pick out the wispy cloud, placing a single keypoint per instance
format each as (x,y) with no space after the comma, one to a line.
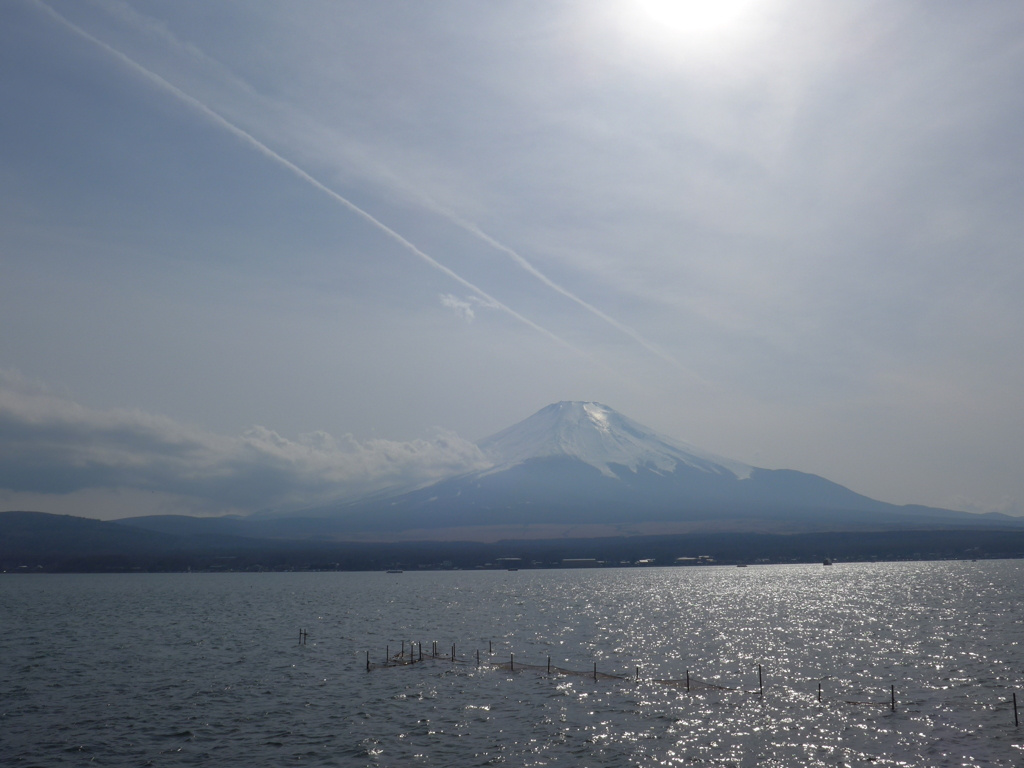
(1006,505)
(159,30)
(462,308)
(531,269)
(52,445)
(263,149)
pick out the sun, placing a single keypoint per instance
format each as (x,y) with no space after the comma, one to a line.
(694,17)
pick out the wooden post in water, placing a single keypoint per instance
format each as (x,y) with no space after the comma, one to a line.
(549,665)
(402,654)
(595,671)
(512,662)
(687,681)
(453,651)
(892,701)
(490,647)
(1016,722)
(421,651)
(367,661)
(819,693)
(760,680)
(638,674)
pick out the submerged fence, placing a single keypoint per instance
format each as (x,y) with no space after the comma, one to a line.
(689,683)
(411,654)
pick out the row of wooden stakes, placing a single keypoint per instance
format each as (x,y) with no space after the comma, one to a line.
(416,656)
(687,683)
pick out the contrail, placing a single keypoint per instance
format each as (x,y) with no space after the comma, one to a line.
(522,262)
(262,148)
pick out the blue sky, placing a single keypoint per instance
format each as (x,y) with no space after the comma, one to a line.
(265,254)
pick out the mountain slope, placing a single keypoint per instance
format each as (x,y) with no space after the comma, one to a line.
(581,463)
(598,436)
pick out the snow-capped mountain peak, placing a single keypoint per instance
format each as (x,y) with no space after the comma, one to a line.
(601,437)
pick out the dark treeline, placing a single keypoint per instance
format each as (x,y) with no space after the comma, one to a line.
(52,543)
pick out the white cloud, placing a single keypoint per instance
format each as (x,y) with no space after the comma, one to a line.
(1006,505)
(51,445)
(462,308)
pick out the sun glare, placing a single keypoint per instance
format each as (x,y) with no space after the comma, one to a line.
(694,16)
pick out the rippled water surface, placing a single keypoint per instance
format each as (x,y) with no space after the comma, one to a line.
(183,669)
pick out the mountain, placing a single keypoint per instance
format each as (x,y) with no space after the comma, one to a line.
(596,435)
(576,479)
(581,467)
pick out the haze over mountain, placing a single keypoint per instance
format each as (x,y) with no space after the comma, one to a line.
(583,469)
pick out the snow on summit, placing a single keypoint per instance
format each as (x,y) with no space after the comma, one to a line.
(601,437)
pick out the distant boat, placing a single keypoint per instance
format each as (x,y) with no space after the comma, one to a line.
(513,569)
(741,565)
(395,570)
(828,561)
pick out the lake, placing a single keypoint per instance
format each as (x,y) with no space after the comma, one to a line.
(191,669)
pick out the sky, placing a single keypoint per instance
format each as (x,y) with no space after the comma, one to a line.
(263,255)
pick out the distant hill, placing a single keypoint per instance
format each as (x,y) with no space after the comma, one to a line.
(26,535)
(36,538)
(32,542)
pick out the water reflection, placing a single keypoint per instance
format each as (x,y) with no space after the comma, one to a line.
(179,669)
